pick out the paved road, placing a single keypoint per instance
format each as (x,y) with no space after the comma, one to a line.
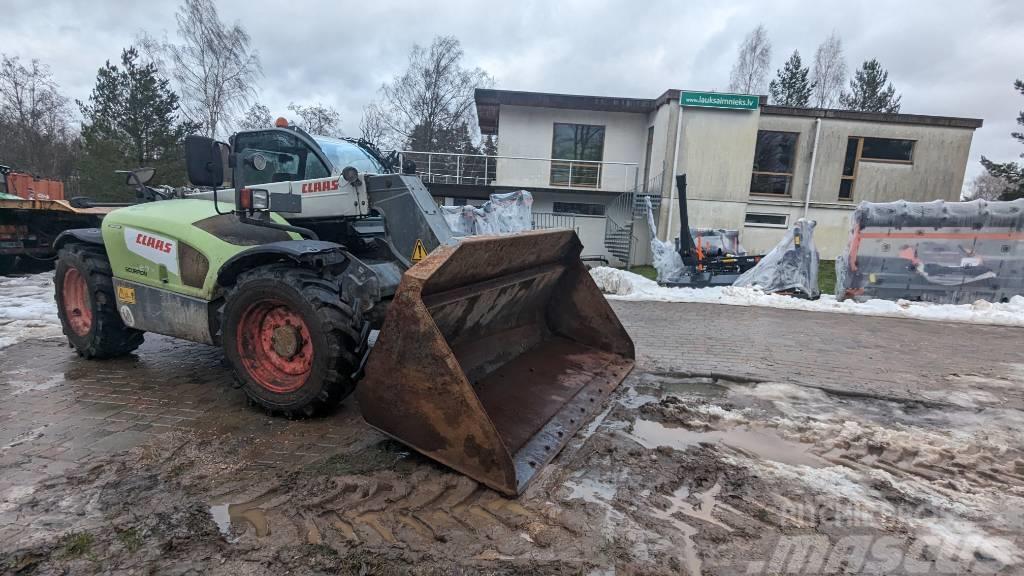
(859,354)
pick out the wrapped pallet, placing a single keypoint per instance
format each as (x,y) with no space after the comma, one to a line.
(943,252)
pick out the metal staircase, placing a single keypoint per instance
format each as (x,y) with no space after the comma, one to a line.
(621,216)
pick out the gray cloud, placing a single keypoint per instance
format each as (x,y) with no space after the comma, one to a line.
(949,58)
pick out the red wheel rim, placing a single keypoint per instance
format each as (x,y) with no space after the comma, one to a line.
(77,305)
(275,346)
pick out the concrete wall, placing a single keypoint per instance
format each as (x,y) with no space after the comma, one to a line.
(716,154)
(939,161)
(526,131)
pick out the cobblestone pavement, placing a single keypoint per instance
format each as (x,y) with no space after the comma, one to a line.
(60,413)
(887,357)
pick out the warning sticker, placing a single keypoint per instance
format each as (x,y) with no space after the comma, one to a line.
(418,251)
(126,294)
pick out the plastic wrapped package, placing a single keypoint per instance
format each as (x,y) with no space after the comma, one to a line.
(665,258)
(504,213)
(943,252)
(717,241)
(791,267)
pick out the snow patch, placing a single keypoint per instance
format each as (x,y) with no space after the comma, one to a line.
(27,309)
(627,286)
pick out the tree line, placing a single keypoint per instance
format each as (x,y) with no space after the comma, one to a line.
(821,85)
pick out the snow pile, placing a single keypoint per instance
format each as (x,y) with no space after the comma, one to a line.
(27,309)
(623,285)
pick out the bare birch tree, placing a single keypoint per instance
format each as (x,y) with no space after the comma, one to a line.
(751,68)
(318,119)
(35,120)
(372,127)
(213,65)
(829,72)
(433,98)
(257,117)
(985,186)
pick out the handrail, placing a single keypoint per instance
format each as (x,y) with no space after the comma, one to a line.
(500,157)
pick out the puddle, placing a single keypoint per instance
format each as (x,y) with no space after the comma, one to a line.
(590,490)
(753,441)
(237,516)
(701,511)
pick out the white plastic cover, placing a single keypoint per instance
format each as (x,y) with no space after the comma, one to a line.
(665,258)
(504,213)
(791,266)
(718,241)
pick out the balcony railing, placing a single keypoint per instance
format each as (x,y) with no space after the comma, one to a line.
(550,220)
(523,171)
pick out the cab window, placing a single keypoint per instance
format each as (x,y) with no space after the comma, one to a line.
(288,158)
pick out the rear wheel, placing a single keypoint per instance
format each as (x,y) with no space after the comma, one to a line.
(86,304)
(291,339)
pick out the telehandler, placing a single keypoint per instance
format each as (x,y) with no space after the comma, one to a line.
(492,351)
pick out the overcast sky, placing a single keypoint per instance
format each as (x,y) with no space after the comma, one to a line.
(954,58)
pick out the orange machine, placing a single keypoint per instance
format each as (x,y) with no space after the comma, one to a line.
(31,188)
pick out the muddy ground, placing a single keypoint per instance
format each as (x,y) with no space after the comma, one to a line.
(683,474)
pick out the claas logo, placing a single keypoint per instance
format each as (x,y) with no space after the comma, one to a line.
(150,242)
(320,186)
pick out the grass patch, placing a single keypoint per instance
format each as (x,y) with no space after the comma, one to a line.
(131,539)
(77,544)
(645,271)
(827,276)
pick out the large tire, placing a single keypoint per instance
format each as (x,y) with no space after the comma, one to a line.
(292,340)
(86,304)
(8,263)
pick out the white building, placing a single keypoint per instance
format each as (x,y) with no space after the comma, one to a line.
(750,166)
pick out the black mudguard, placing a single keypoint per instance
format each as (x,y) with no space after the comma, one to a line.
(359,283)
(82,235)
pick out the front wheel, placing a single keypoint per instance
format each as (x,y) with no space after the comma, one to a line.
(86,306)
(291,339)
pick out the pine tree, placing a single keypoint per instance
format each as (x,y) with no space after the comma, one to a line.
(1010,172)
(791,87)
(490,148)
(871,91)
(131,120)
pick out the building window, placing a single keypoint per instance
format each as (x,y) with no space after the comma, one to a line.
(887,150)
(767,220)
(579,208)
(849,177)
(580,149)
(892,150)
(773,163)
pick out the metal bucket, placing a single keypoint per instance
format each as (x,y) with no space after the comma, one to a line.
(494,352)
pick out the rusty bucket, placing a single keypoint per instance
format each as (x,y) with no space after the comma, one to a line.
(494,352)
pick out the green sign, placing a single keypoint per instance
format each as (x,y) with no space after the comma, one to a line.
(719,100)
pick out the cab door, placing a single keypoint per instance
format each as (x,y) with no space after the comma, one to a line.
(293,165)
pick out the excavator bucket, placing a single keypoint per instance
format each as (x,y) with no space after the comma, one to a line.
(494,352)
(941,252)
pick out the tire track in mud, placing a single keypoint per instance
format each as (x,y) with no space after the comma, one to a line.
(420,511)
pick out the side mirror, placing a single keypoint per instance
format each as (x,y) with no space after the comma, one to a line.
(204,159)
(144,175)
